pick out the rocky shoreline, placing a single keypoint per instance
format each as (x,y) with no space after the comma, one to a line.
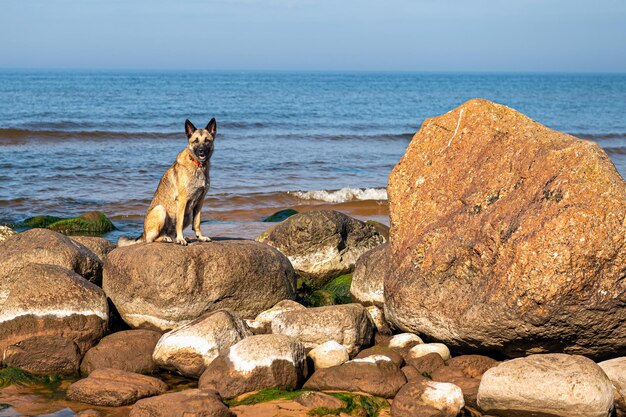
(498,291)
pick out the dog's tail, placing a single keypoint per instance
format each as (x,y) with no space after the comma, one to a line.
(124,241)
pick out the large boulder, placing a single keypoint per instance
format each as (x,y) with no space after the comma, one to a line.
(163,286)
(376,375)
(347,324)
(189,349)
(44,301)
(128,350)
(550,384)
(369,276)
(43,355)
(323,244)
(114,388)
(507,235)
(46,247)
(615,369)
(190,402)
(256,363)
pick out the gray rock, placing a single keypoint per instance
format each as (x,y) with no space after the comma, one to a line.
(346,324)
(322,245)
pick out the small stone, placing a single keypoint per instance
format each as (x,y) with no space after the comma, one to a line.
(425,349)
(403,342)
(313,399)
(187,403)
(328,354)
(428,398)
(394,356)
(428,363)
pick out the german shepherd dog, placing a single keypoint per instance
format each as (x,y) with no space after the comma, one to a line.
(180,194)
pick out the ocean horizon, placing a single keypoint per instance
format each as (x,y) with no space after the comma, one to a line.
(73,141)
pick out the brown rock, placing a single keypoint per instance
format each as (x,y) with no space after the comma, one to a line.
(48,300)
(114,388)
(346,324)
(5,233)
(426,398)
(394,356)
(507,235)
(473,366)
(44,355)
(323,244)
(161,286)
(89,413)
(428,363)
(615,369)
(255,363)
(412,373)
(128,350)
(44,246)
(402,343)
(187,403)
(313,399)
(376,375)
(99,246)
(369,275)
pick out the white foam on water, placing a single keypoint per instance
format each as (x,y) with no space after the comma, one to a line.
(343,195)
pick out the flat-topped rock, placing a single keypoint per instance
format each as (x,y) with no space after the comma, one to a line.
(497,223)
(346,324)
(189,349)
(190,402)
(114,388)
(255,363)
(162,286)
(322,244)
(128,350)
(46,301)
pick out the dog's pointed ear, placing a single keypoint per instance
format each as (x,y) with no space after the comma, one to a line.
(212,126)
(189,128)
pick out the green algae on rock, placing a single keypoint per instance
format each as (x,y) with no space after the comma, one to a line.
(334,292)
(279,216)
(93,222)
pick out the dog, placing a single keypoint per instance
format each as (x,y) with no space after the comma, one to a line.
(178,199)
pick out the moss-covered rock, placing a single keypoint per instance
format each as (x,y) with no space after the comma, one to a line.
(279,216)
(337,291)
(92,223)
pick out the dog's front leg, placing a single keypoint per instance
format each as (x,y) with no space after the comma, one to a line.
(181,204)
(196,224)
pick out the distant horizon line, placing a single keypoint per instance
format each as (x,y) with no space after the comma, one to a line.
(196,70)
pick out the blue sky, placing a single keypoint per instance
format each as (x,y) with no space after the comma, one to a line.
(394,35)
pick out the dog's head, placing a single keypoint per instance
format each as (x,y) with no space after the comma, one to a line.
(200,141)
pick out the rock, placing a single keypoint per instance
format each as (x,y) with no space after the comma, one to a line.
(472,366)
(328,354)
(369,275)
(128,350)
(428,398)
(191,402)
(189,349)
(313,399)
(6,232)
(412,374)
(279,216)
(93,222)
(403,342)
(114,388)
(377,316)
(376,375)
(381,228)
(507,235)
(162,286)
(322,245)
(99,246)
(428,363)
(89,413)
(263,321)
(378,350)
(615,369)
(256,363)
(455,376)
(43,301)
(346,324)
(335,291)
(426,348)
(553,384)
(46,247)
(44,355)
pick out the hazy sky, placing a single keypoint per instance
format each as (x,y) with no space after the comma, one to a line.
(413,35)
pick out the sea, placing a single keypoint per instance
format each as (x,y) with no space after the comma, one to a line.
(78,141)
